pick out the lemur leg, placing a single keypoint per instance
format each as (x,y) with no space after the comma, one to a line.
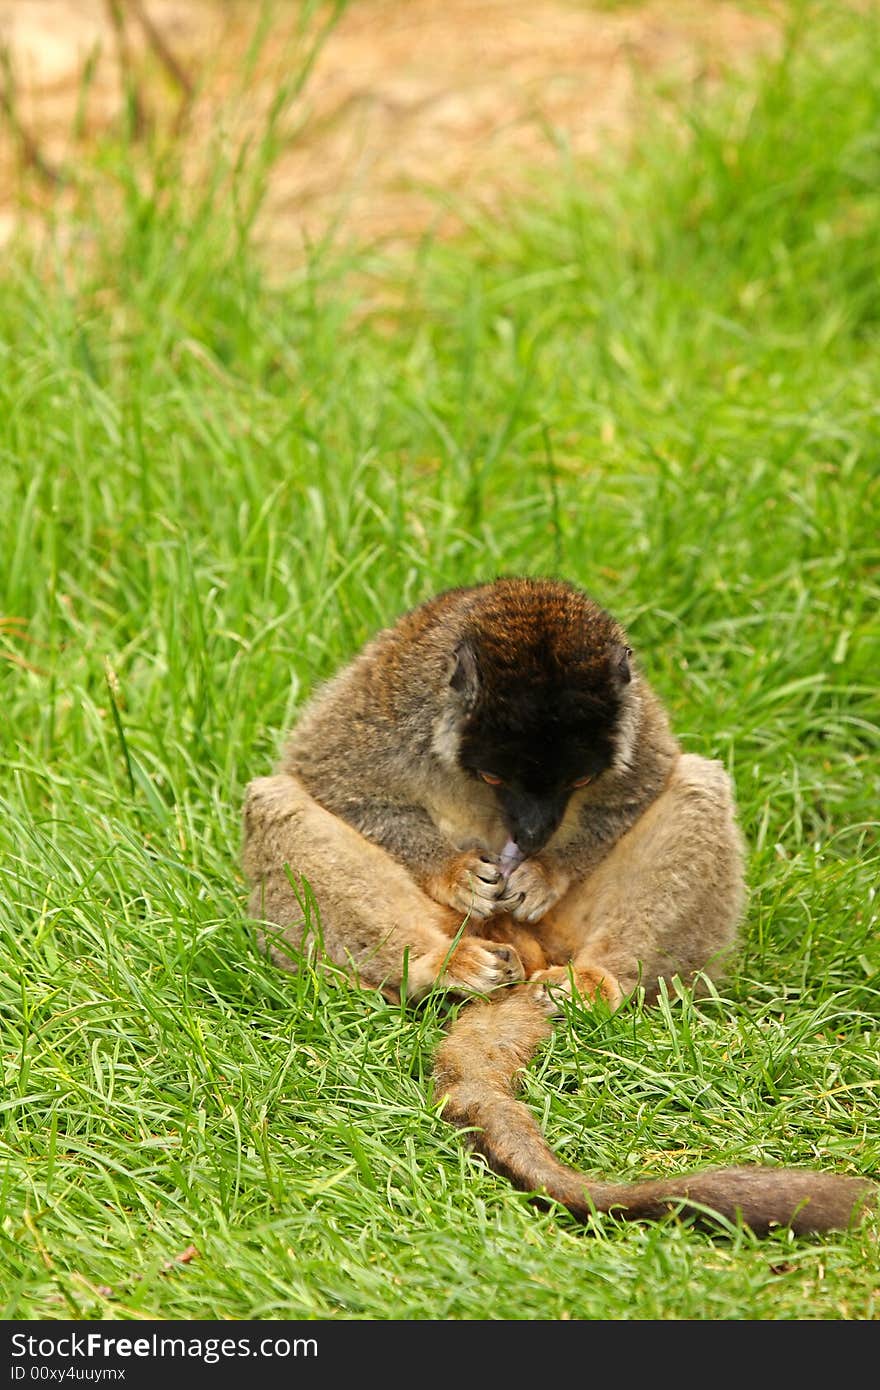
(667,899)
(376,922)
(523,939)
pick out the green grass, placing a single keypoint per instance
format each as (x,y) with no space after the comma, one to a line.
(659,380)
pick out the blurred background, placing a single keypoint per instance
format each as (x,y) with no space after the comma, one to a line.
(389,113)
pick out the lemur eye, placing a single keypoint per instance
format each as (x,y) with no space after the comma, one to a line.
(582,782)
(492,779)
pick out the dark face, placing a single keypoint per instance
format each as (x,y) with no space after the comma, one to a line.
(535,749)
(540,678)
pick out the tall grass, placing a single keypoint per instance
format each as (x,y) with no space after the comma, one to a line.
(659,379)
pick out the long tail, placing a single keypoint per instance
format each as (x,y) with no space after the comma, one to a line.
(476,1069)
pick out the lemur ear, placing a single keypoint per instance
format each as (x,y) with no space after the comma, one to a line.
(465,676)
(620,663)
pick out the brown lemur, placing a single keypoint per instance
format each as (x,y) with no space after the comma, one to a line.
(489,800)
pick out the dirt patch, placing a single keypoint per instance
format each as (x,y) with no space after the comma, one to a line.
(413,108)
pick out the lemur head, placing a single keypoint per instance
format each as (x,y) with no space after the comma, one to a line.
(543,685)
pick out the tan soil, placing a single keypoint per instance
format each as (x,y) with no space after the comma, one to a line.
(414,108)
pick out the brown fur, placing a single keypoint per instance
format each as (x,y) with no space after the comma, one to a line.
(636,877)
